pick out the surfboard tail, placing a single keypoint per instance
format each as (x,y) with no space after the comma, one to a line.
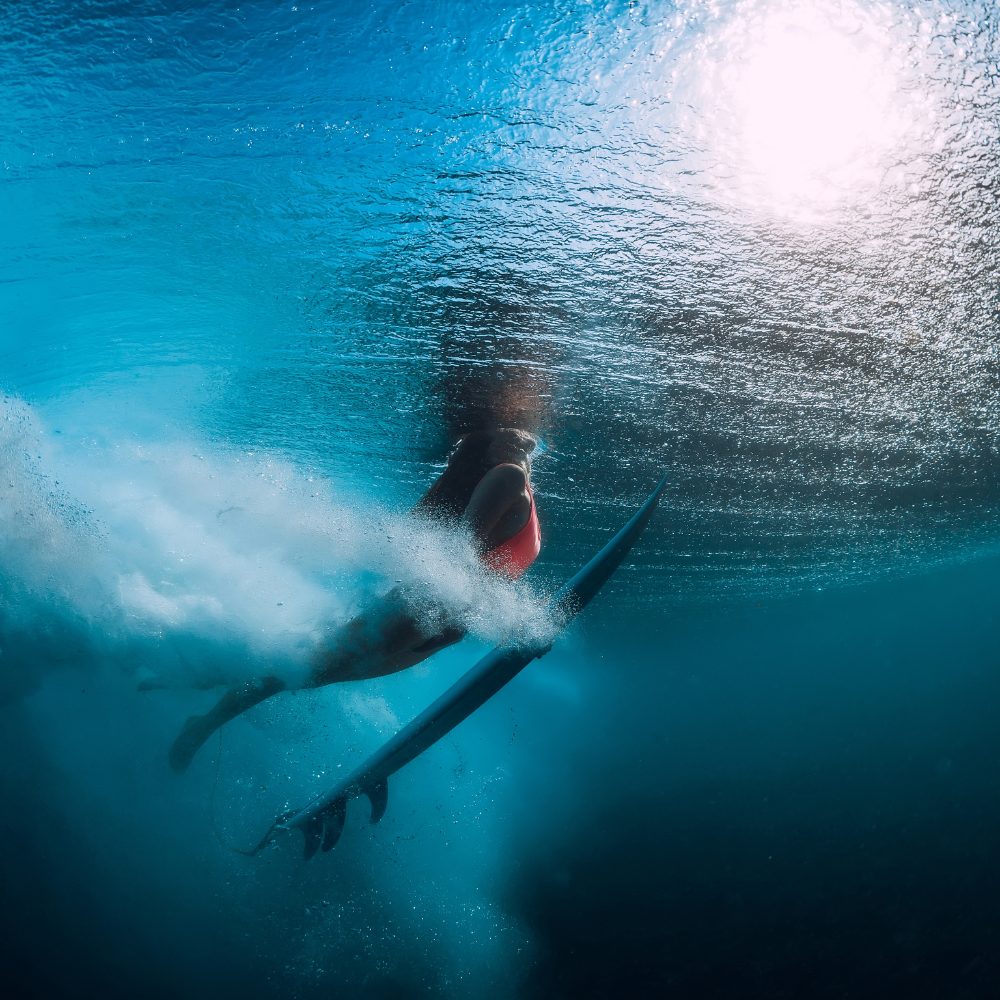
(279,824)
(321,828)
(322,824)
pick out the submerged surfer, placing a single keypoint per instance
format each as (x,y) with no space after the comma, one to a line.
(486,490)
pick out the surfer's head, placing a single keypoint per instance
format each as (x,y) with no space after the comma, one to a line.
(509,444)
(475,454)
(479,451)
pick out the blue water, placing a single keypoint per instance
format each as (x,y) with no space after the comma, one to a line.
(261,264)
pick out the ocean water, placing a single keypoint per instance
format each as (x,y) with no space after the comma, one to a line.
(262,263)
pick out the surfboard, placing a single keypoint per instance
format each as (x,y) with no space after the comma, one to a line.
(322,820)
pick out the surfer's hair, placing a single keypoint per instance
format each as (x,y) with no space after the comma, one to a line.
(474,455)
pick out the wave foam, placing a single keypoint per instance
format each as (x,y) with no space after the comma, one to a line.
(185,565)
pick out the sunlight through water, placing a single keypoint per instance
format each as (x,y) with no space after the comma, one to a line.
(812,106)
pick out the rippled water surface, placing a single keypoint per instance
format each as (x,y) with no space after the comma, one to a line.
(261,263)
(752,244)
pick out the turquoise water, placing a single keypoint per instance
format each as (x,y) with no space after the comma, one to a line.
(261,264)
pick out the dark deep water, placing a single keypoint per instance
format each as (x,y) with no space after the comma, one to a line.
(810,813)
(801,803)
(260,264)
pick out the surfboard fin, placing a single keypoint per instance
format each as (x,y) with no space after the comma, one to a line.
(313,832)
(334,823)
(378,795)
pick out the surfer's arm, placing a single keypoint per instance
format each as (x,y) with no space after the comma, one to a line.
(500,490)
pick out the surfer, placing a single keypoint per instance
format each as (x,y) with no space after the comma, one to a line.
(322,819)
(486,491)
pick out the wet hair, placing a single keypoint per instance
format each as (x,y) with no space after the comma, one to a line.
(474,455)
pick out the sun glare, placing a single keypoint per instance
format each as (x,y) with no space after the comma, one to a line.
(811,93)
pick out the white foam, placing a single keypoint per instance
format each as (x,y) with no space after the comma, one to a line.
(188,565)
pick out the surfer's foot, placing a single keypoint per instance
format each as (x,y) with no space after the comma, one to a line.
(196,730)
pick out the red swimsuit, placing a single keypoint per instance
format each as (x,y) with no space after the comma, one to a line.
(513,557)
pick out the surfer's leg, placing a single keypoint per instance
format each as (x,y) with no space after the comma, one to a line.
(234,702)
(390,636)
